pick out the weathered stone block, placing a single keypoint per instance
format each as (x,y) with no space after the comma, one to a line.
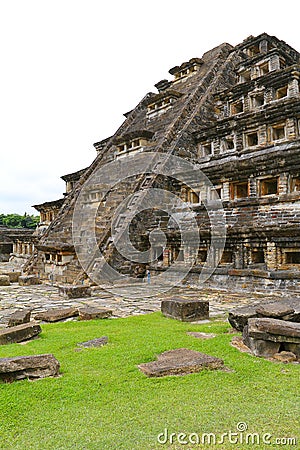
(56,314)
(275,310)
(13,276)
(19,317)
(238,318)
(180,362)
(288,309)
(4,280)
(89,313)
(19,333)
(266,349)
(74,291)
(29,280)
(274,330)
(98,342)
(36,366)
(185,310)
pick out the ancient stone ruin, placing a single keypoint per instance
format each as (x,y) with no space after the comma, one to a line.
(30,367)
(235,114)
(270,330)
(185,310)
(181,361)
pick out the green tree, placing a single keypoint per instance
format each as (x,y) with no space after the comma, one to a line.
(19,221)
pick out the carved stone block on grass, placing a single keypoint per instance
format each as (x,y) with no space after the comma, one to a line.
(98,342)
(185,310)
(90,313)
(4,280)
(19,333)
(56,314)
(266,337)
(31,367)
(288,309)
(29,280)
(20,316)
(181,361)
(74,291)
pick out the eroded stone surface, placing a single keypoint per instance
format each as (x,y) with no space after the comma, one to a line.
(4,280)
(274,330)
(199,335)
(19,333)
(98,342)
(19,317)
(181,361)
(70,291)
(186,310)
(277,311)
(89,313)
(28,280)
(31,367)
(56,314)
(266,337)
(13,275)
(287,309)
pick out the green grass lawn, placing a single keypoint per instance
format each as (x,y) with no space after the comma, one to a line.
(102,401)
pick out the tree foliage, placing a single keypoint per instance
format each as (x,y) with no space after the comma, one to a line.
(19,221)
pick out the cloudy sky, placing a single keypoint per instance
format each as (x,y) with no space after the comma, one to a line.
(71,68)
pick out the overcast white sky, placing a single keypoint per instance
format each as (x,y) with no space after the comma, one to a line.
(71,68)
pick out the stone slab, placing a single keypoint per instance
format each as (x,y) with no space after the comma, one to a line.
(90,313)
(238,317)
(74,291)
(185,310)
(98,342)
(19,333)
(199,335)
(30,367)
(20,316)
(56,314)
(13,276)
(274,330)
(29,280)
(4,280)
(181,361)
(275,310)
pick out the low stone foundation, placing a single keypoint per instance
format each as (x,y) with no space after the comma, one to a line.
(244,280)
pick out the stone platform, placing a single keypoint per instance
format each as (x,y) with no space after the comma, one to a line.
(42,297)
